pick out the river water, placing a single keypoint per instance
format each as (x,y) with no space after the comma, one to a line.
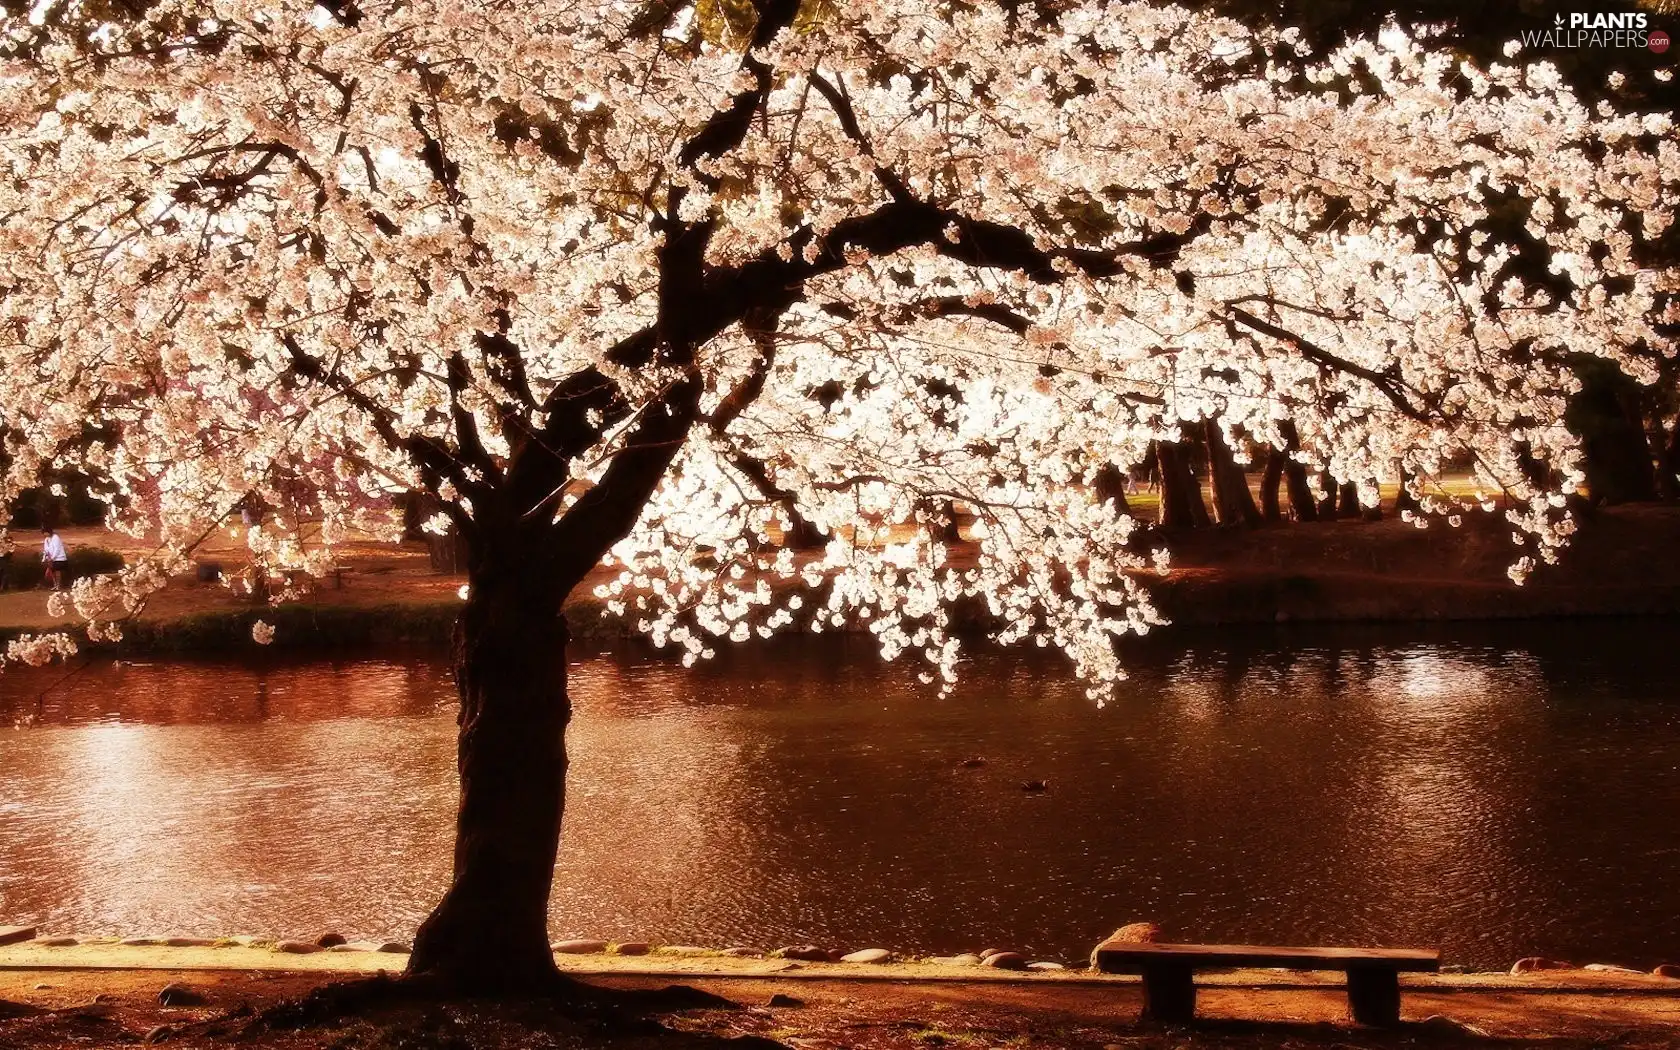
(1494,790)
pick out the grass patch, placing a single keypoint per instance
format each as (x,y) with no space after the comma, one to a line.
(301,626)
(23,569)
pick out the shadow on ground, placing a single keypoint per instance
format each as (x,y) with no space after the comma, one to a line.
(41,1009)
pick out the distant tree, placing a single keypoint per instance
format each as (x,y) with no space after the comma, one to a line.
(1182,506)
(1626,77)
(1608,416)
(1281,466)
(630,284)
(1231,499)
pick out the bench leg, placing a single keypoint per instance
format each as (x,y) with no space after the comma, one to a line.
(1374,995)
(1169,994)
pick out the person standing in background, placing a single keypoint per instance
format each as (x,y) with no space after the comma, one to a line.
(55,558)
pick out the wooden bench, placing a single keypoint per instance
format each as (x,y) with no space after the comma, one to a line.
(1169,987)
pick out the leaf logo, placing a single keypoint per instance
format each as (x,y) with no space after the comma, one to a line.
(1558,21)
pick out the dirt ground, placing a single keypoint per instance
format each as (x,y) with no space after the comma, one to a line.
(113,1008)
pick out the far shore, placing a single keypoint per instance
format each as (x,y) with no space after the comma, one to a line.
(1622,563)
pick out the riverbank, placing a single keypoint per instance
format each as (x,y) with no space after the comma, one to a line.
(820,1007)
(1621,563)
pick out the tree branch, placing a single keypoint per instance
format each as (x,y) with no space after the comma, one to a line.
(1387,381)
(841,103)
(727,128)
(900,224)
(760,327)
(467,437)
(607,512)
(433,459)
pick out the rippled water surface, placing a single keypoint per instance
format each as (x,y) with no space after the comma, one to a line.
(1496,791)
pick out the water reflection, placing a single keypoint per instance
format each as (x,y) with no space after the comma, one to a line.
(1500,792)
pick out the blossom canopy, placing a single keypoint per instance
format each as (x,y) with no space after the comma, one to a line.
(679,273)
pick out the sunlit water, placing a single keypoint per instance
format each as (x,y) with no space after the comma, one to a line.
(1497,791)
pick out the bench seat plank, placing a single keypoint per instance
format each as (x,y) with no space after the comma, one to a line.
(1135,957)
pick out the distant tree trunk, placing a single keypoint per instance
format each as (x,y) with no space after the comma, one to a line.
(1270,482)
(1181,493)
(410,505)
(1301,502)
(947,530)
(1641,482)
(801,535)
(1110,484)
(1326,503)
(1405,501)
(490,932)
(1606,413)
(1669,463)
(1231,498)
(1347,500)
(447,554)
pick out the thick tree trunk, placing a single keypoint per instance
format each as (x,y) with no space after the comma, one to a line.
(1628,451)
(490,933)
(1271,508)
(1110,484)
(1232,501)
(1608,416)
(948,530)
(1347,500)
(1301,502)
(1405,501)
(1181,493)
(802,535)
(1326,503)
(410,505)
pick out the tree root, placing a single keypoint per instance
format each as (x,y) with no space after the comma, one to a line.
(332,1004)
(430,1005)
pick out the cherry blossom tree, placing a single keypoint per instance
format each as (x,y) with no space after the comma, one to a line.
(650,285)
